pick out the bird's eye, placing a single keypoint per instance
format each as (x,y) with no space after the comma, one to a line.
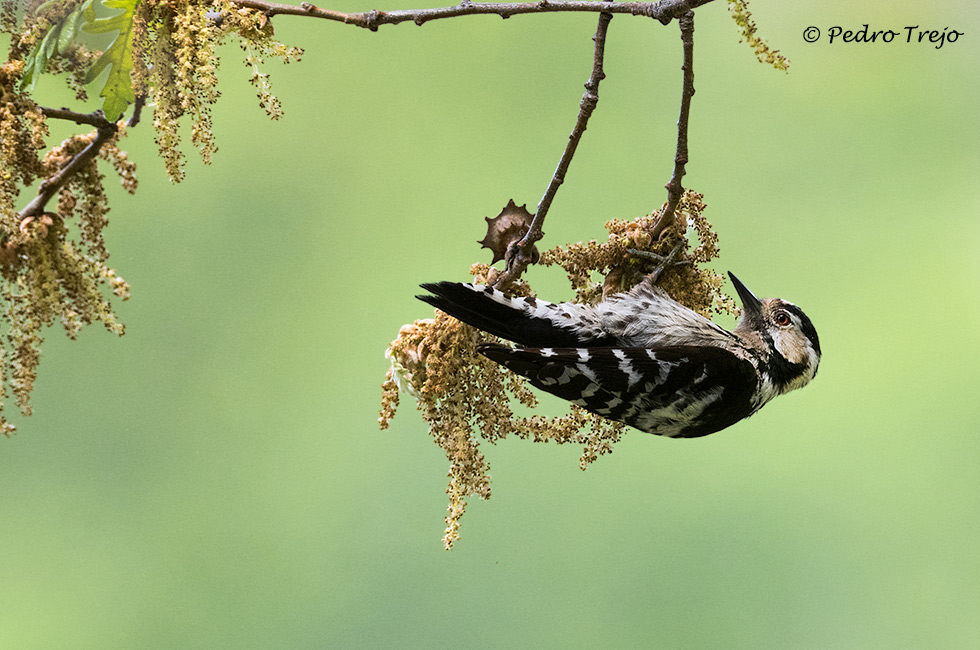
(783,319)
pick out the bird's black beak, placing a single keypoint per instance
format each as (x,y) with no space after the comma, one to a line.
(750,304)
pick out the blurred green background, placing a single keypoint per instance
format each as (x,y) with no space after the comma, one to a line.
(216,478)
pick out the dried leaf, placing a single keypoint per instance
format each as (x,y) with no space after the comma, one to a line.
(507,228)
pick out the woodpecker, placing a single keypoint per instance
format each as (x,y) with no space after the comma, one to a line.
(641,357)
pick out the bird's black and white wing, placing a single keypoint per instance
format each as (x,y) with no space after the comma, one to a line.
(679,391)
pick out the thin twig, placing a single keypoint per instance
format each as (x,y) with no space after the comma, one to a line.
(675,189)
(105,131)
(662,10)
(518,262)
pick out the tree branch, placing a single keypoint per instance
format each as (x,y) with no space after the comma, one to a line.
(105,130)
(662,10)
(674,187)
(524,251)
(96,119)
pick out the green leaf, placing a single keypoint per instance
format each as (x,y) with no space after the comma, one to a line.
(47,5)
(29,78)
(50,41)
(69,28)
(56,41)
(118,57)
(37,60)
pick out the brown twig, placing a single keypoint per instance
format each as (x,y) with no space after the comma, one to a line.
(138,105)
(675,189)
(518,262)
(662,10)
(105,131)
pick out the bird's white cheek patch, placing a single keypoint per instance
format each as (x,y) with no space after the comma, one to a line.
(789,348)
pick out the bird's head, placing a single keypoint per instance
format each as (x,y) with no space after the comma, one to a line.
(783,333)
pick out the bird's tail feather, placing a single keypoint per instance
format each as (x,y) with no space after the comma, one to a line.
(526,321)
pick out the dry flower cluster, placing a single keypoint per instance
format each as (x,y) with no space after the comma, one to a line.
(464,397)
(599,268)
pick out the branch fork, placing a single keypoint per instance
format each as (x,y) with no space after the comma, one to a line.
(104,132)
